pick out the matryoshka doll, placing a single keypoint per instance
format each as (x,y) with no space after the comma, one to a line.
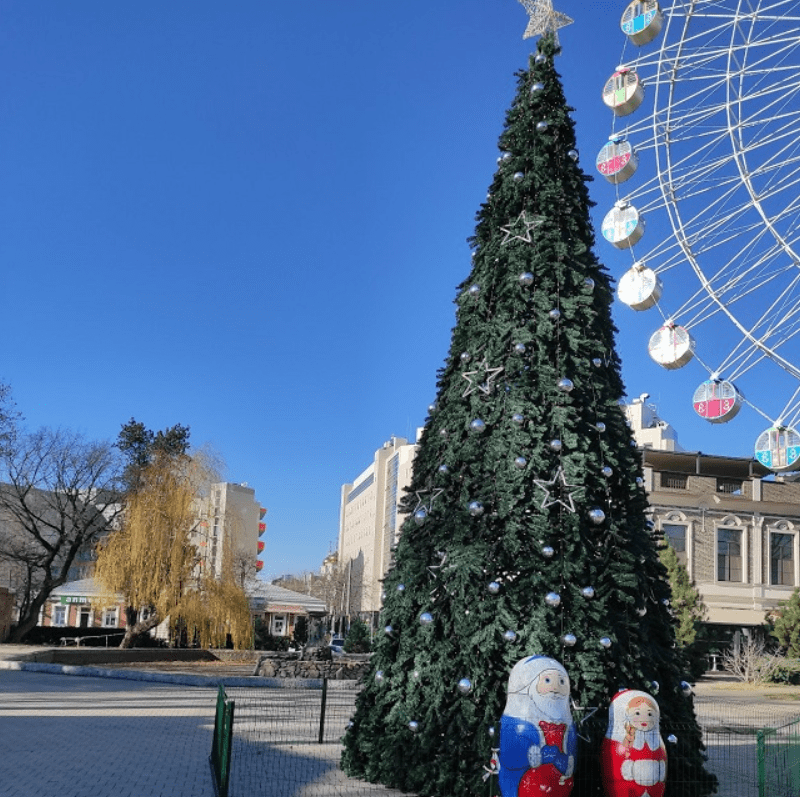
(634,759)
(537,736)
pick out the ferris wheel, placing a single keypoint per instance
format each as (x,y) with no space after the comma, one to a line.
(704,157)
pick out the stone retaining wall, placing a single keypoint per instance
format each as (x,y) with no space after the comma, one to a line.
(339,669)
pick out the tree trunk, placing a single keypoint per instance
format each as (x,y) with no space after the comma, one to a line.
(132,630)
(30,618)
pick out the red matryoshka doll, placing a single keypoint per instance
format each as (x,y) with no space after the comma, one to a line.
(634,759)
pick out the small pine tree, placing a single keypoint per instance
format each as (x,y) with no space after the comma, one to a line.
(786,625)
(357,640)
(688,609)
(300,631)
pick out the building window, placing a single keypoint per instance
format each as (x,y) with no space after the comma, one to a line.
(674,481)
(730,486)
(781,559)
(59,614)
(729,555)
(110,618)
(675,536)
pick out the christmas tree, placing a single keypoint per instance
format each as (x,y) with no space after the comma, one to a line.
(527,530)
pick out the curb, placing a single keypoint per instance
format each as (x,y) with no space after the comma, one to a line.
(208,681)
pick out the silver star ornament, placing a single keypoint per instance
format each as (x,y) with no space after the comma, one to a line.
(485,384)
(558,483)
(521,228)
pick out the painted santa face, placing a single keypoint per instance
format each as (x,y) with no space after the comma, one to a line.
(552,683)
(643,716)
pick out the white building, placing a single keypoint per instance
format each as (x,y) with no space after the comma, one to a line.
(369,523)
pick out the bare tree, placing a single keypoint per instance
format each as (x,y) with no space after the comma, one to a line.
(244,566)
(57,498)
(750,660)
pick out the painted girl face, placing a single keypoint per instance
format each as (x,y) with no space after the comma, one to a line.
(552,683)
(643,717)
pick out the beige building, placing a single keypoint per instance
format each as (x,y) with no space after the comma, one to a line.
(369,524)
(230,517)
(733,523)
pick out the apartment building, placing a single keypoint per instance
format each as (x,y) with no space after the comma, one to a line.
(369,524)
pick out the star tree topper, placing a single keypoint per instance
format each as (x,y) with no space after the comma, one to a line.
(543,18)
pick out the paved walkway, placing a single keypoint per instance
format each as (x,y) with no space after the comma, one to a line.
(62,736)
(110,734)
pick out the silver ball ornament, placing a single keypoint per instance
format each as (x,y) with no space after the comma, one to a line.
(548,552)
(388,630)
(552,599)
(491,730)
(443,469)
(504,156)
(517,176)
(415,675)
(379,676)
(401,587)
(477,426)
(607,471)
(474,290)
(432,408)
(526,278)
(642,611)
(589,283)
(574,155)
(605,642)
(565,385)
(519,348)
(686,688)
(420,516)
(600,426)
(520,462)
(537,87)
(494,587)
(588,592)
(639,481)
(654,687)
(542,126)
(596,515)
(510,636)
(475,508)
(442,432)
(540,59)
(426,618)
(465,356)
(465,686)
(413,726)
(555,314)
(556,445)
(597,362)
(518,418)
(672,738)
(570,640)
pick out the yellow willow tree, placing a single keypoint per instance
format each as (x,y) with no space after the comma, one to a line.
(152,561)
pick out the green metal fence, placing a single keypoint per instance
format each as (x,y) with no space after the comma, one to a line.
(778,760)
(222,743)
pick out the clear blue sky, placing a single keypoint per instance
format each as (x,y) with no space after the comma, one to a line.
(251,217)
